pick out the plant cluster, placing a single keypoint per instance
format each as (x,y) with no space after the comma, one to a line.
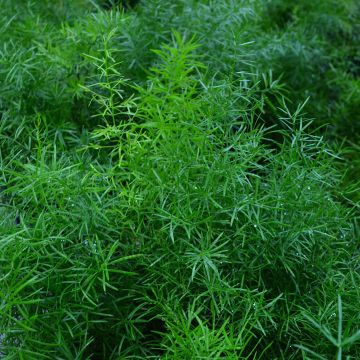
(167,186)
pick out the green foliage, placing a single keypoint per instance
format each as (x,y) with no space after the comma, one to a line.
(163,192)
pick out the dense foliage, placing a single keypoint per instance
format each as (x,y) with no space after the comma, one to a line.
(179,179)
